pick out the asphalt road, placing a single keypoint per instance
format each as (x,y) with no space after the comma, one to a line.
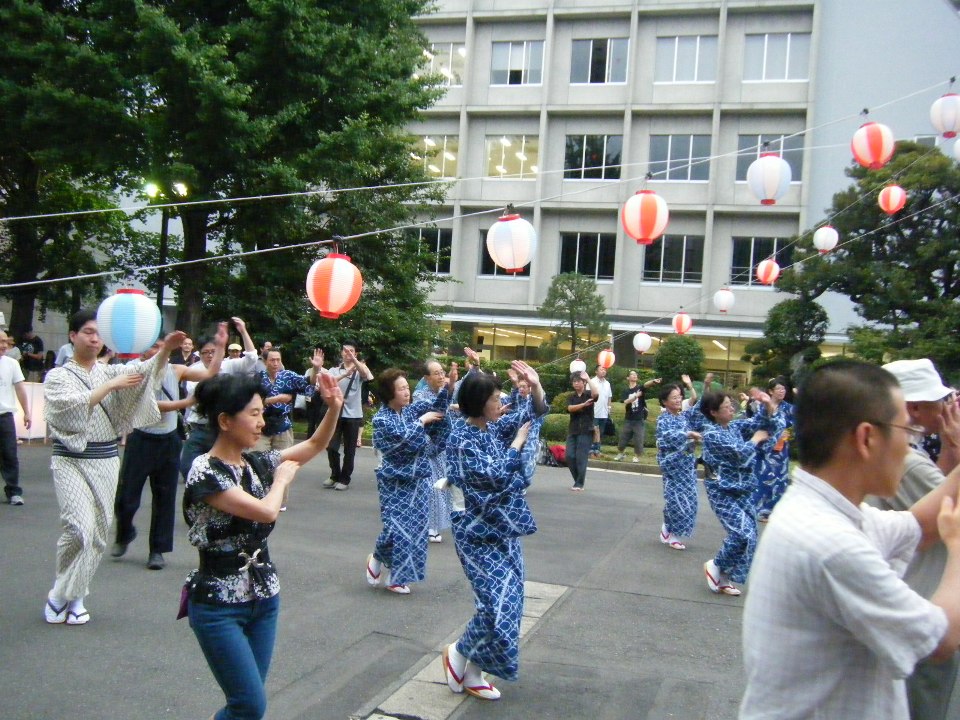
(636,633)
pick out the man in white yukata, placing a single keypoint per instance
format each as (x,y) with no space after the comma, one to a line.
(830,629)
(88,406)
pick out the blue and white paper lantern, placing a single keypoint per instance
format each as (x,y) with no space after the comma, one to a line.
(128,322)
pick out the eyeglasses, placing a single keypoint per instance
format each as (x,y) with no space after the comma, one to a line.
(915,433)
(207,352)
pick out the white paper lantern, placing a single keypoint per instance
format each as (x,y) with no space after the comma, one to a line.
(825,239)
(511,242)
(769,178)
(128,322)
(642,342)
(723,299)
(945,115)
(577,366)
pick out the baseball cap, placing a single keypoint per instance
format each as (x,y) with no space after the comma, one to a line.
(918,379)
(234,346)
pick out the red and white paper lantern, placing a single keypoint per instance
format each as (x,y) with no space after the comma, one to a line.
(768,271)
(892,199)
(606,359)
(334,285)
(945,115)
(769,178)
(644,216)
(723,299)
(682,323)
(511,242)
(128,322)
(872,145)
(825,239)
(642,342)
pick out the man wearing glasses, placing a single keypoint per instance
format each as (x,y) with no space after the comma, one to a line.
(932,408)
(830,629)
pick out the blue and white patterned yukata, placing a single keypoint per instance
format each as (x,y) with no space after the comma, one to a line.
(404,483)
(773,467)
(730,457)
(678,469)
(493,477)
(439,511)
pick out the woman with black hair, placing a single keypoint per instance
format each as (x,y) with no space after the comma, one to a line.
(773,456)
(676,437)
(404,480)
(231,502)
(729,450)
(488,460)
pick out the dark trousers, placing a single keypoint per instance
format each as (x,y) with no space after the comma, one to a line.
(156,457)
(198,442)
(347,432)
(9,463)
(316,409)
(578,452)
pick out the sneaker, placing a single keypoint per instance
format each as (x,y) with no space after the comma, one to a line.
(712,573)
(619,457)
(328,484)
(340,486)
(373,570)
(54,615)
(16,500)
(635,459)
(156,561)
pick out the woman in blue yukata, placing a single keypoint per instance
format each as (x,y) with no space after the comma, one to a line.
(491,458)
(231,502)
(404,479)
(729,451)
(773,456)
(676,438)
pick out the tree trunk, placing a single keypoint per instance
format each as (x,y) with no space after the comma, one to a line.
(26,257)
(191,285)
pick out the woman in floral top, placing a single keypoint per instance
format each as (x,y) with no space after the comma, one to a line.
(231,502)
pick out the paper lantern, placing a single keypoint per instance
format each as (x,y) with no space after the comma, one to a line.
(723,299)
(682,323)
(334,285)
(945,115)
(872,145)
(511,242)
(128,322)
(577,366)
(825,239)
(768,271)
(644,216)
(642,342)
(769,178)
(892,199)
(956,151)
(606,359)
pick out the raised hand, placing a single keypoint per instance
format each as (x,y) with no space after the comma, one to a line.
(317,359)
(329,390)
(431,417)
(174,340)
(685,379)
(239,324)
(472,355)
(525,372)
(220,337)
(453,375)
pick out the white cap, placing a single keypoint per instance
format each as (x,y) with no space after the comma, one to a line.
(918,379)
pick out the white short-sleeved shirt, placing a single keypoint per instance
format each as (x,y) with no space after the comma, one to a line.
(10,375)
(601,407)
(830,630)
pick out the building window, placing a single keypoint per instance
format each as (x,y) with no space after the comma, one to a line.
(674,259)
(680,157)
(686,59)
(512,157)
(517,63)
(593,157)
(776,56)
(748,252)
(790,148)
(447,60)
(436,244)
(488,267)
(437,154)
(599,61)
(590,254)
(930,141)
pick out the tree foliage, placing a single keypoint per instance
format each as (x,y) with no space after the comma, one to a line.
(574,303)
(792,333)
(901,272)
(678,355)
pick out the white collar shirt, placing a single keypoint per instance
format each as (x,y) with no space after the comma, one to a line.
(830,630)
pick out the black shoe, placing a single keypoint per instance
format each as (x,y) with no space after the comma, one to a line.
(156,561)
(119,549)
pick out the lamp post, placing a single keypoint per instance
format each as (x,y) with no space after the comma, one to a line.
(153,191)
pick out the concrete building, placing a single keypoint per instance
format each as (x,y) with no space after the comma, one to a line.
(562,107)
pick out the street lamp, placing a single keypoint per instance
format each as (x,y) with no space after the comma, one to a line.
(153,192)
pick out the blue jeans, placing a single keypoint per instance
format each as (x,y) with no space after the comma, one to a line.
(237,641)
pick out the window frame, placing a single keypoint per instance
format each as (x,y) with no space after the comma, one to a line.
(439,150)
(688,164)
(498,272)
(604,241)
(697,66)
(660,247)
(782,253)
(608,60)
(794,156)
(526,65)
(789,35)
(442,241)
(435,57)
(607,172)
(523,175)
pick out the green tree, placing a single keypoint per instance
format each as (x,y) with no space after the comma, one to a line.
(573,301)
(793,329)
(242,99)
(68,141)
(678,355)
(902,273)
